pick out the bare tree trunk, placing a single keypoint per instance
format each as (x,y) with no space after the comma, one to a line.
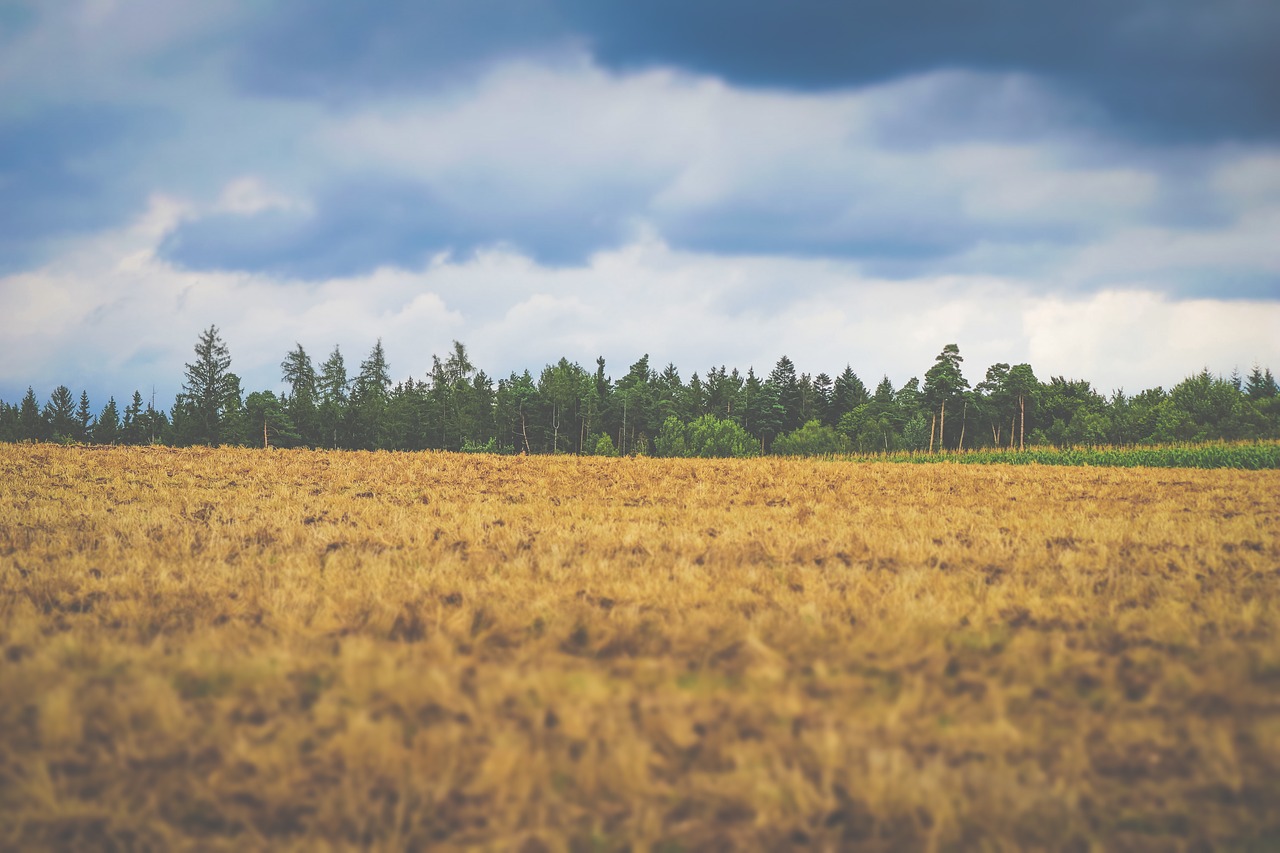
(964,418)
(264,433)
(1022,407)
(933,425)
(524,431)
(942,428)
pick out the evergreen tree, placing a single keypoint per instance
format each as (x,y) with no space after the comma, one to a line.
(60,415)
(84,418)
(300,404)
(944,384)
(1261,384)
(847,394)
(333,400)
(671,397)
(369,395)
(723,394)
(636,413)
(9,430)
(210,393)
(131,428)
(871,424)
(106,430)
(786,389)
(824,392)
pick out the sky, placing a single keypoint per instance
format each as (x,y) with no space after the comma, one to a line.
(1092,187)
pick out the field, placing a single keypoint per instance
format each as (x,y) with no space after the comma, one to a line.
(236,649)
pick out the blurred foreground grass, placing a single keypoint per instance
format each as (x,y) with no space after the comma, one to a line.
(232,649)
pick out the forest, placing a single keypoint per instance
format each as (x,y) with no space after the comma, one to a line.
(567,408)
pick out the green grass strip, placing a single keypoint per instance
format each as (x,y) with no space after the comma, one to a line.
(1253,456)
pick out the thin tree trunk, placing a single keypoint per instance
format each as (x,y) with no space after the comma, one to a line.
(964,418)
(1022,406)
(264,433)
(942,428)
(933,426)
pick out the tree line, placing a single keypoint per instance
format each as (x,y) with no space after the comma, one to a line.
(567,408)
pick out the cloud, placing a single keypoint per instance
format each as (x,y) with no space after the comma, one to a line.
(1160,68)
(710,182)
(562,162)
(112,315)
(57,178)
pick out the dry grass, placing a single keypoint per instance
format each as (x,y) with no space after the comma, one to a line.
(234,649)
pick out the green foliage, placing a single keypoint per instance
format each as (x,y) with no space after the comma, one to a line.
(490,446)
(1247,456)
(812,439)
(604,446)
(566,409)
(706,437)
(266,423)
(672,439)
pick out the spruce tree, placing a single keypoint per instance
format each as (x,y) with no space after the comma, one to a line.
(210,394)
(106,430)
(300,404)
(84,418)
(333,400)
(60,415)
(31,427)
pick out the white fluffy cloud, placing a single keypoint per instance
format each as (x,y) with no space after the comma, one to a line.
(113,316)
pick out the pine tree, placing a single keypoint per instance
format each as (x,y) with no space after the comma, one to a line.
(31,426)
(106,430)
(210,394)
(369,396)
(131,429)
(943,384)
(787,389)
(333,400)
(84,418)
(60,415)
(847,394)
(300,404)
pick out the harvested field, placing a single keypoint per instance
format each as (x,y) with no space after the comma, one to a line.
(237,649)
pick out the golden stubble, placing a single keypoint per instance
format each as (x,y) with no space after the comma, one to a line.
(232,648)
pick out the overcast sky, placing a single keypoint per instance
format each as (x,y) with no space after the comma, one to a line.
(1093,187)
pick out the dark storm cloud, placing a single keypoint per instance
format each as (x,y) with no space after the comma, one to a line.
(1169,69)
(56,180)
